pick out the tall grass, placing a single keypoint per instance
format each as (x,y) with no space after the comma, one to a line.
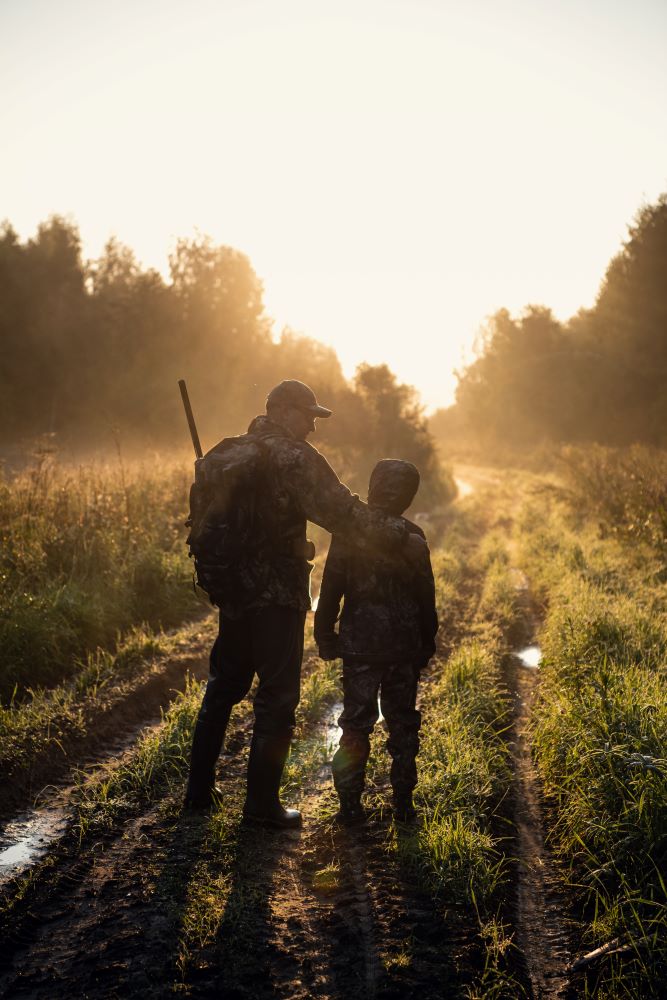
(464,773)
(600,735)
(87,552)
(625,487)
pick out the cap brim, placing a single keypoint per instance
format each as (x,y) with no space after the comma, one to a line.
(319,411)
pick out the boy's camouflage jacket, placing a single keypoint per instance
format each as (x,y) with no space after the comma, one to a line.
(389,611)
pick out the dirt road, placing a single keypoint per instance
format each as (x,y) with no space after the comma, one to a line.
(164,902)
(318,912)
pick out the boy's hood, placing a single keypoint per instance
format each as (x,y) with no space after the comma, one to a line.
(393,484)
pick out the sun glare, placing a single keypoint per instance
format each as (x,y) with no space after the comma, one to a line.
(395,172)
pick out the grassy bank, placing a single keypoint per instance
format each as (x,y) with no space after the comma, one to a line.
(52,715)
(600,733)
(87,553)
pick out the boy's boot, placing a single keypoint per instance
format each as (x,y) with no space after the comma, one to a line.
(207,743)
(404,810)
(265,767)
(351,812)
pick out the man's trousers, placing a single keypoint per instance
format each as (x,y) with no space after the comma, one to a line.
(267,642)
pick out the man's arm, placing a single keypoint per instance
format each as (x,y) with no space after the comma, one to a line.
(328,605)
(324,500)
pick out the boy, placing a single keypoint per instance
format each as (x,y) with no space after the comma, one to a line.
(386,636)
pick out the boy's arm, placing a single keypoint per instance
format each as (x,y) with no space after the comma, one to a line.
(427,606)
(328,605)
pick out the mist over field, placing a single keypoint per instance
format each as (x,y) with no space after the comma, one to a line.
(93,349)
(368,184)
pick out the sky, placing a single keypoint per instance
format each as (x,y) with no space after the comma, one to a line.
(396,171)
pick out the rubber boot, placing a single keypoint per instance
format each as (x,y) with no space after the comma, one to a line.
(404,810)
(265,767)
(207,743)
(351,812)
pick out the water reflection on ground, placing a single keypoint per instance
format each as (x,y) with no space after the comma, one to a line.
(28,837)
(530,657)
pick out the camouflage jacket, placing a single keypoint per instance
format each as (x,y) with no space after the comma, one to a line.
(389,611)
(298,485)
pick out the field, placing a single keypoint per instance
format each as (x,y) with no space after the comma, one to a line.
(537,867)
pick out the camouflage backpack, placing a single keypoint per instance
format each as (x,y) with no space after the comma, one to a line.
(227,535)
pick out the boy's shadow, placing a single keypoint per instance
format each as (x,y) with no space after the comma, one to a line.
(433,932)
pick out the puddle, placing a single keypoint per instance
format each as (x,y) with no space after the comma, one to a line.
(464,488)
(519,580)
(333,730)
(530,657)
(28,838)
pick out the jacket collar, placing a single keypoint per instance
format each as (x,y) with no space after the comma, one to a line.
(261,426)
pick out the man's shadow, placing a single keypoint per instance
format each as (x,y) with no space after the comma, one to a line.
(239,959)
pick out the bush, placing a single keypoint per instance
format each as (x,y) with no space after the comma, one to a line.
(625,487)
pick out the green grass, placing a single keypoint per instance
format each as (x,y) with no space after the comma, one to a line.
(600,735)
(154,769)
(87,553)
(463,775)
(50,716)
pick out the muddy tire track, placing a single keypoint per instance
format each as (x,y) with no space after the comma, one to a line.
(365,911)
(105,921)
(369,932)
(319,939)
(108,725)
(543,932)
(375,934)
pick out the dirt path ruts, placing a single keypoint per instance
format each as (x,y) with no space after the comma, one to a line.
(542,932)
(108,723)
(109,923)
(367,931)
(114,924)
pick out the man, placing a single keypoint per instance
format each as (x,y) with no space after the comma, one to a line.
(263,607)
(386,635)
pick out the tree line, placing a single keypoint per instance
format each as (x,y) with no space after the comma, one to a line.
(93,349)
(601,376)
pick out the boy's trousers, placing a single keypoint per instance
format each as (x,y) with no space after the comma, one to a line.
(397,685)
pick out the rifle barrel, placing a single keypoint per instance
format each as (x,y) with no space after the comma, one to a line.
(190,418)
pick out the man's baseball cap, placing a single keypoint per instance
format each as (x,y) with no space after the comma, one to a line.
(291,392)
